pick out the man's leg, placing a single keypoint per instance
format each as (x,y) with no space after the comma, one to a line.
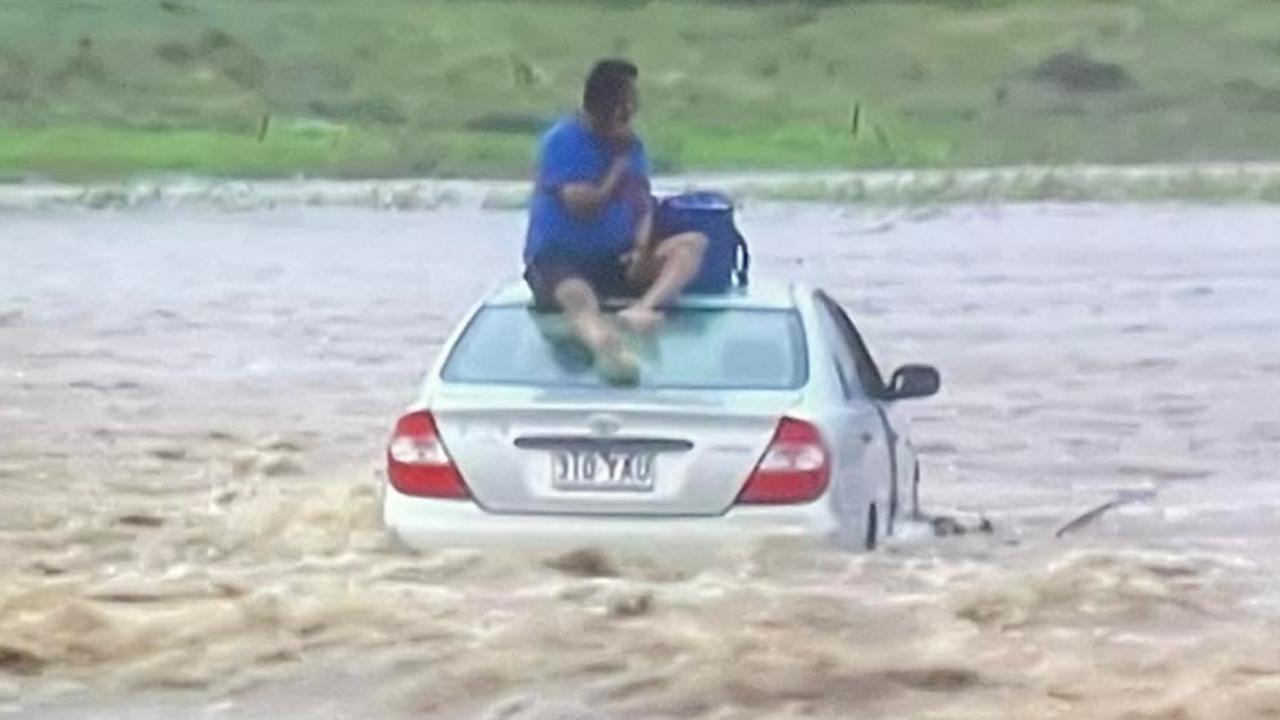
(614,360)
(664,273)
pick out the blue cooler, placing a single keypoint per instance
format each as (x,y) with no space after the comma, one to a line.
(711,213)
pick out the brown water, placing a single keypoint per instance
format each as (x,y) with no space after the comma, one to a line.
(192,408)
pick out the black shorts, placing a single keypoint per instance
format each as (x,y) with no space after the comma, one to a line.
(608,279)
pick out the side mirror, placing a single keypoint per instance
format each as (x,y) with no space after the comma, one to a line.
(913,381)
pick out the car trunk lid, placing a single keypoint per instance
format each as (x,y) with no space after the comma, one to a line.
(595,452)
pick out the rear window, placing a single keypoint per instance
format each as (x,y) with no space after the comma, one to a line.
(734,349)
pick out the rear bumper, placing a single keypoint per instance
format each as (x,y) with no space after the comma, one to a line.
(426,524)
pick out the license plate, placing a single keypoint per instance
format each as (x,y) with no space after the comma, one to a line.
(602,470)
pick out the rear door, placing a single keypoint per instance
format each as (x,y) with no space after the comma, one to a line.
(866,462)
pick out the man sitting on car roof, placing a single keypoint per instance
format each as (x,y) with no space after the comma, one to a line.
(591,233)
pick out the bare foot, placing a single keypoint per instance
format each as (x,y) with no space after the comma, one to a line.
(617,364)
(640,320)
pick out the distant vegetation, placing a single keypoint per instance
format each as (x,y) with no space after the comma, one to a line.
(103,88)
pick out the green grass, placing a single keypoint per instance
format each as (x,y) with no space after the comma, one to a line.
(88,152)
(109,88)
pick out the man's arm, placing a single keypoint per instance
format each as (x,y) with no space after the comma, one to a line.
(585,199)
(644,231)
(641,251)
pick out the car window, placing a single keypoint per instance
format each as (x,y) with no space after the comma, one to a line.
(843,360)
(862,367)
(694,349)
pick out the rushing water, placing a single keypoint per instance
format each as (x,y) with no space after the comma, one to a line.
(192,407)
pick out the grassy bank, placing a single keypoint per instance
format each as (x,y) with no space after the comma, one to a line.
(102,88)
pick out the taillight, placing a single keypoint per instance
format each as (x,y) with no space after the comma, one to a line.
(795,468)
(417,462)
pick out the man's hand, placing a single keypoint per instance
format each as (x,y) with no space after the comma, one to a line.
(636,259)
(585,199)
(617,169)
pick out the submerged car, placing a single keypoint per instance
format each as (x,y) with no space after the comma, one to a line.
(758,412)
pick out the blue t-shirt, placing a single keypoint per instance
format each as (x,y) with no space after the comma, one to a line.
(571,153)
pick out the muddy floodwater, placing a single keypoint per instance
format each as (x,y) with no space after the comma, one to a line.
(193,406)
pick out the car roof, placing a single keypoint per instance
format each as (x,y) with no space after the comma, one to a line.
(758,294)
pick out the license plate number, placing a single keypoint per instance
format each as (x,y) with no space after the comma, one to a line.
(602,470)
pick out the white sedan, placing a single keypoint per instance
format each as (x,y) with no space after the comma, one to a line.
(758,413)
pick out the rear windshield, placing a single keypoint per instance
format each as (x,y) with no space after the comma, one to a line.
(695,349)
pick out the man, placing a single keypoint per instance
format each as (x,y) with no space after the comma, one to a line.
(591,233)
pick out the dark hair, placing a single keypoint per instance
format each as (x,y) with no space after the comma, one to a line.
(606,85)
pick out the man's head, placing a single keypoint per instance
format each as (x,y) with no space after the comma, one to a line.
(609,98)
